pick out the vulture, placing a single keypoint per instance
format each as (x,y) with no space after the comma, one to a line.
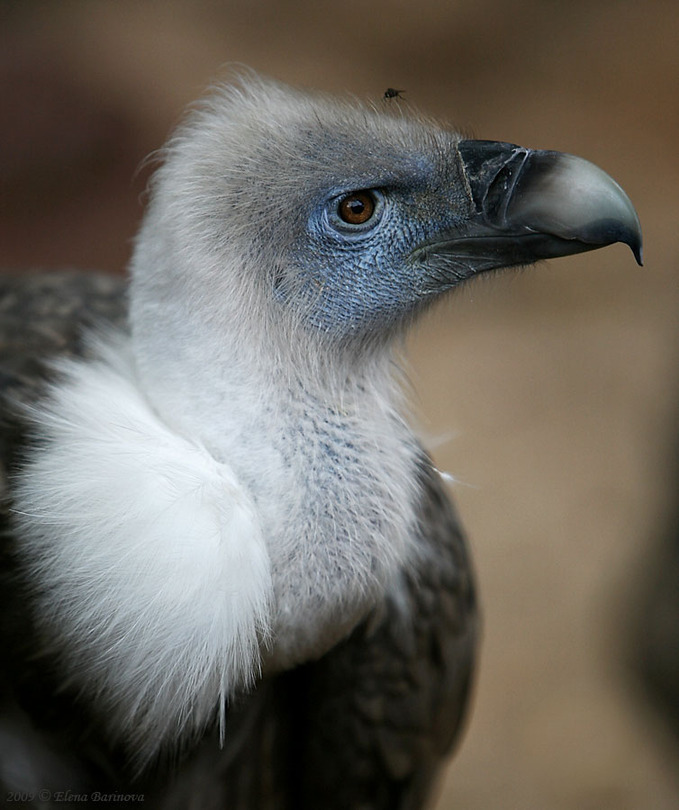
(231,574)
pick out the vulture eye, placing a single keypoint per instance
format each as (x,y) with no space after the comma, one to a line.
(356,213)
(357,208)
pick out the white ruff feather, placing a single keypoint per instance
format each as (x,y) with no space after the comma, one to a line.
(152,577)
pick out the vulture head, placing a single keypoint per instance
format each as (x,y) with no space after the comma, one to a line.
(334,223)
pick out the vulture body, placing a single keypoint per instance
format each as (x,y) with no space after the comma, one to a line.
(232,576)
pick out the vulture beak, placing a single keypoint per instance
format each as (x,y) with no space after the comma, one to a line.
(531,205)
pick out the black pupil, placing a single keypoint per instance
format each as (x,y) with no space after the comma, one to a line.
(356,206)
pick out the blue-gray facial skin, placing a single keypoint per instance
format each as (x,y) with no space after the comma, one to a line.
(370,272)
(353,277)
(349,279)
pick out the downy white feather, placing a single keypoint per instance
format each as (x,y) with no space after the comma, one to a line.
(150,570)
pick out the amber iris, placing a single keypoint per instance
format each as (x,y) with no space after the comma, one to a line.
(356,208)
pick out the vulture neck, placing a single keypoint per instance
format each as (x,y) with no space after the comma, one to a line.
(216,385)
(314,432)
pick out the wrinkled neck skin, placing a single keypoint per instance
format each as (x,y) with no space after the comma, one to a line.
(312,429)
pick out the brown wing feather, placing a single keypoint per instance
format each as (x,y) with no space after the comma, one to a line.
(387,705)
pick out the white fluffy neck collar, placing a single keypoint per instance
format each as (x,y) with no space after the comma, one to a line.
(167,574)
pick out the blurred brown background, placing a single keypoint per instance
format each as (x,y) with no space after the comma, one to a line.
(550,394)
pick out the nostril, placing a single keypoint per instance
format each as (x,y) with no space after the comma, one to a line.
(502,188)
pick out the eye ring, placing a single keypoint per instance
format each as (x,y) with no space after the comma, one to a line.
(357,208)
